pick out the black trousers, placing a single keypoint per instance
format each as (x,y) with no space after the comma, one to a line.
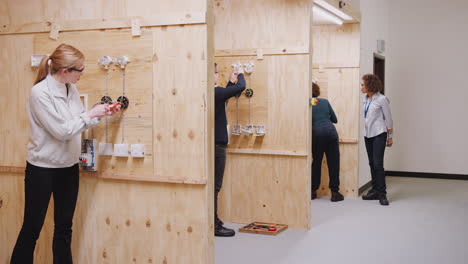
(375,147)
(40,184)
(220,164)
(325,141)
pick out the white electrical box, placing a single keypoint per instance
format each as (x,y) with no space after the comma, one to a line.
(121,150)
(106,149)
(137,150)
(36,60)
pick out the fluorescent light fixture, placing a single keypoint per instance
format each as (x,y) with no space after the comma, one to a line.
(326,15)
(333,9)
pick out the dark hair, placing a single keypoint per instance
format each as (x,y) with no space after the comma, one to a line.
(315,90)
(372,83)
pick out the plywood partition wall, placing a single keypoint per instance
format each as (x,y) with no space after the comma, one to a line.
(156,209)
(267,178)
(336,68)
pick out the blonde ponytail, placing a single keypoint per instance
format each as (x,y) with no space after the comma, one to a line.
(43,70)
(64,57)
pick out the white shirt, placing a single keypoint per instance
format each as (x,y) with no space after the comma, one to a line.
(56,122)
(377,115)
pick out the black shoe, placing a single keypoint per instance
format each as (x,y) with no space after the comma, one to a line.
(221,231)
(314,195)
(371,195)
(336,197)
(383,200)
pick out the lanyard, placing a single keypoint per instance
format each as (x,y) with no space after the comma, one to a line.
(366,107)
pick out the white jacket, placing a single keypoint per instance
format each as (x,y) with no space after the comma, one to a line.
(56,122)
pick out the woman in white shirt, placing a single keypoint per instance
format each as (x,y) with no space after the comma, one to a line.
(378,132)
(56,118)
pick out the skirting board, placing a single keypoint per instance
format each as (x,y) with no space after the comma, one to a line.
(427,175)
(363,188)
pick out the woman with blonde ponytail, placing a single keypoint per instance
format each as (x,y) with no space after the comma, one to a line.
(57,118)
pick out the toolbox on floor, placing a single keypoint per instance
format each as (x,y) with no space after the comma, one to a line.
(263,228)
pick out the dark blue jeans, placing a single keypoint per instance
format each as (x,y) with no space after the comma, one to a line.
(39,185)
(375,147)
(325,141)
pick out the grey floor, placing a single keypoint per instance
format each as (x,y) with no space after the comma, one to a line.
(426,222)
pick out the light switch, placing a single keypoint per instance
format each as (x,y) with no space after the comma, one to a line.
(121,150)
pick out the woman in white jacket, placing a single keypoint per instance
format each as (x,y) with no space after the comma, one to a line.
(56,119)
(378,134)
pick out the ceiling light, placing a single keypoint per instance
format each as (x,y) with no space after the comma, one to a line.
(333,9)
(327,15)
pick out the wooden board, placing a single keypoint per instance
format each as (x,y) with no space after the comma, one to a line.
(348,172)
(336,46)
(243,24)
(336,68)
(133,125)
(119,222)
(342,89)
(180,102)
(155,69)
(14,12)
(280,98)
(106,23)
(267,178)
(267,189)
(15,83)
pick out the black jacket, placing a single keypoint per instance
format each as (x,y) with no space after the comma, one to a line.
(221,97)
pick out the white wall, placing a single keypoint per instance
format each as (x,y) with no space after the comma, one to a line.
(427,66)
(374,23)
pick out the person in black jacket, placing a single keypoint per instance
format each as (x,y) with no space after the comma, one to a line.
(234,87)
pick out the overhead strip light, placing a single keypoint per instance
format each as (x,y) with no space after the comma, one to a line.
(327,15)
(333,9)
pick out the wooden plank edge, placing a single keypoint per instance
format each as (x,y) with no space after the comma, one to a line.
(266,52)
(12,169)
(105,23)
(330,66)
(268,152)
(147,178)
(129,177)
(349,141)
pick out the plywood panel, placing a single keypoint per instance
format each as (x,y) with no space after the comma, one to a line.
(133,125)
(261,169)
(266,188)
(341,87)
(125,221)
(27,11)
(108,23)
(118,222)
(15,83)
(336,68)
(348,172)
(244,24)
(336,46)
(280,102)
(180,101)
